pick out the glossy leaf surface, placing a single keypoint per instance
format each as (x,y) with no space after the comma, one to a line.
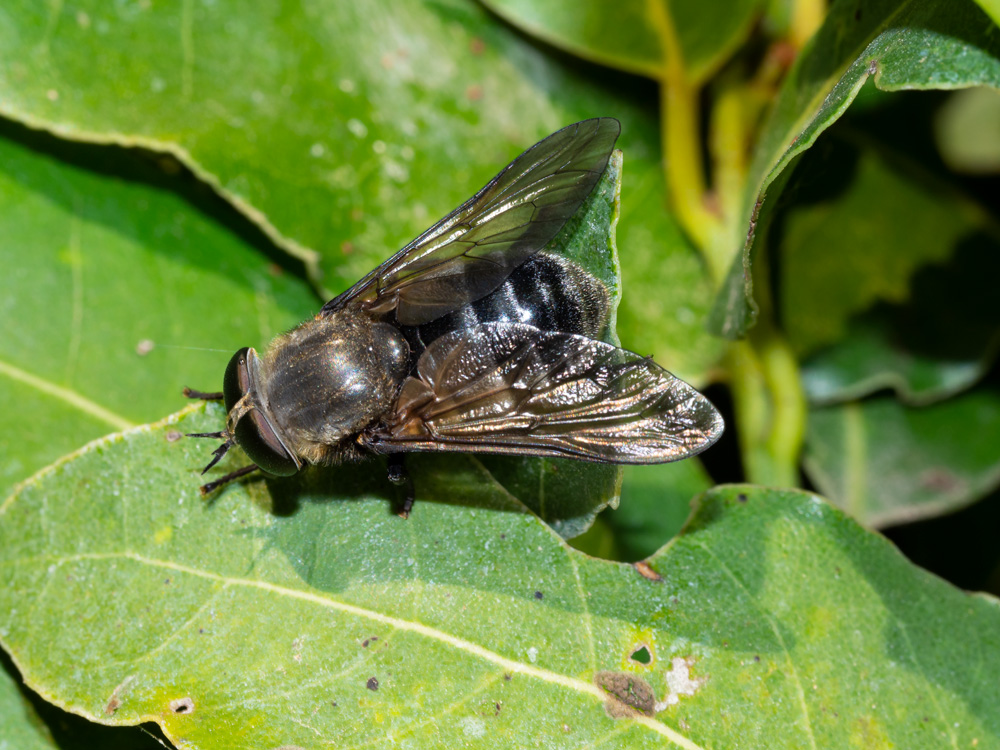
(636,35)
(290,612)
(350,128)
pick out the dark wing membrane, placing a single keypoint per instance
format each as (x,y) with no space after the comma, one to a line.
(511,388)
(471,251)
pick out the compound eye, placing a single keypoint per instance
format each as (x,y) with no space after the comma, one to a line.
(254,433)
(236,381)
(258,440)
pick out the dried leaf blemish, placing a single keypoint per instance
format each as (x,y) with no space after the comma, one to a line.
(646,571)
(115,702)
(182,706)
(627,694)
(680,682)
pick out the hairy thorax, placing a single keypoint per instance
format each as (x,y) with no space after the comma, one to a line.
(331,377)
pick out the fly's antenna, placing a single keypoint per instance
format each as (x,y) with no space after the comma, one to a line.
(203,395)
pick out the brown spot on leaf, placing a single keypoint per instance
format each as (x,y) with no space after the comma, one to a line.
(474,93)
(627,694)
(939,479)
(477,46)
(173,436)
(646,571)
(113,705)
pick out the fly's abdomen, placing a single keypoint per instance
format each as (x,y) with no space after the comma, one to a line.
(547,292)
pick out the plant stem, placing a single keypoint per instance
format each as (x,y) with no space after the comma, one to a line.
(763,372)
(782,444)
(682,148)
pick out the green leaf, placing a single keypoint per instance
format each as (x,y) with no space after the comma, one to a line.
(992,7)
(29,723)
(20,726)
(355,128)
(936,345)
(861,246)
(108,285)
(879,352)
(886,463)
(864,285)
(302,611)
(900,45)
(636,35)
(655,503)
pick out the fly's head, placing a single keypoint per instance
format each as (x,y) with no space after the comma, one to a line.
(248,423)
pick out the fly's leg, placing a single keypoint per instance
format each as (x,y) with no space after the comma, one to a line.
(399,476)
(207,488)
(202,395)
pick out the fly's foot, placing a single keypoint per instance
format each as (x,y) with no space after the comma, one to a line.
(400,477)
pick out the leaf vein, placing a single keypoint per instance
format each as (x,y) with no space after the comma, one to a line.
(82,403)
(781,642)
(447,639)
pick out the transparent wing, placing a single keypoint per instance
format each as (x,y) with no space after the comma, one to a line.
(511,388)
(471,251)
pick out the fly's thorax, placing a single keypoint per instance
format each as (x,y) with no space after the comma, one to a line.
(331,377)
